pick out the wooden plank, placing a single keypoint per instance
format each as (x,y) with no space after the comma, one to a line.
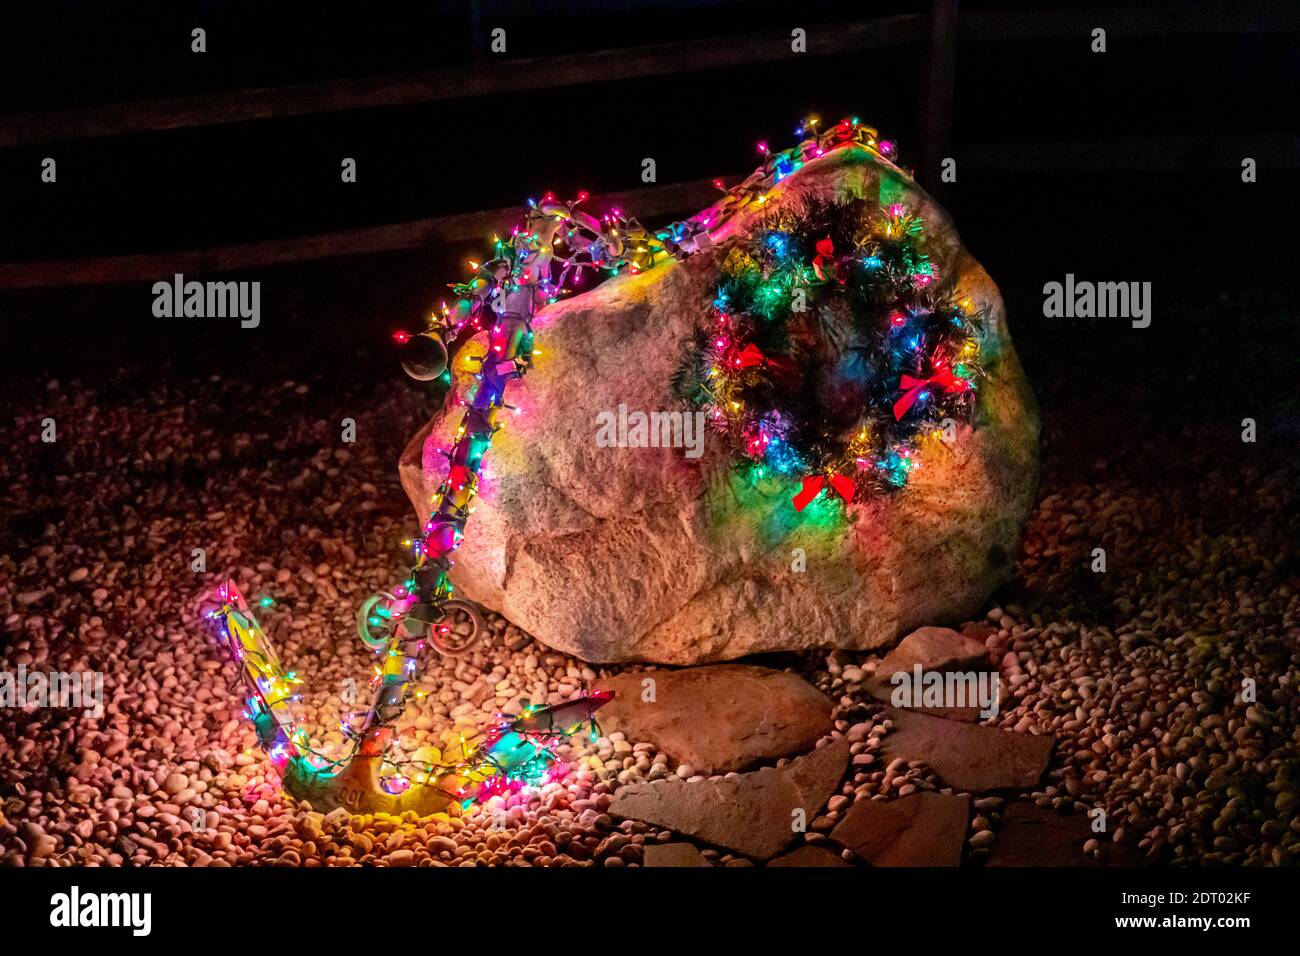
(934,119)
(1140,154)
(235,106)
(1137,154)
(646,204)
(1166,19)
(488,79)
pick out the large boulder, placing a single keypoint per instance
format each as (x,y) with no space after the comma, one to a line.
(642,554)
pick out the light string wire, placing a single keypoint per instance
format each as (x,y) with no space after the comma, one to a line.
(557,243)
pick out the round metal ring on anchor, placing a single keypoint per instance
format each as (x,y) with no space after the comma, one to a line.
(452,644)
(366,629)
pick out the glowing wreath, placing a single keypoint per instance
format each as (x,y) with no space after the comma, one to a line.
(829,351)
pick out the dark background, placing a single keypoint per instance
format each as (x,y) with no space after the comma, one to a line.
(1122,166)
(1116,166)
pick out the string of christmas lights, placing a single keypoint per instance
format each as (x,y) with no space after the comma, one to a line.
(552,250)
(515,751)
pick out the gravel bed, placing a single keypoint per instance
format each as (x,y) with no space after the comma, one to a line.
(1139,671)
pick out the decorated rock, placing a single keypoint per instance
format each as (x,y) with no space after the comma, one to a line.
(845,466)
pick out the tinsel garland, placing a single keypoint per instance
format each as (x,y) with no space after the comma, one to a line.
(541,260)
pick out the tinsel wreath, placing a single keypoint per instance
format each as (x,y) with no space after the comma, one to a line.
(830,351)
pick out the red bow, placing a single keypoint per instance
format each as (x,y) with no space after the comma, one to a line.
(942,376)
(813,484)
(825,256)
